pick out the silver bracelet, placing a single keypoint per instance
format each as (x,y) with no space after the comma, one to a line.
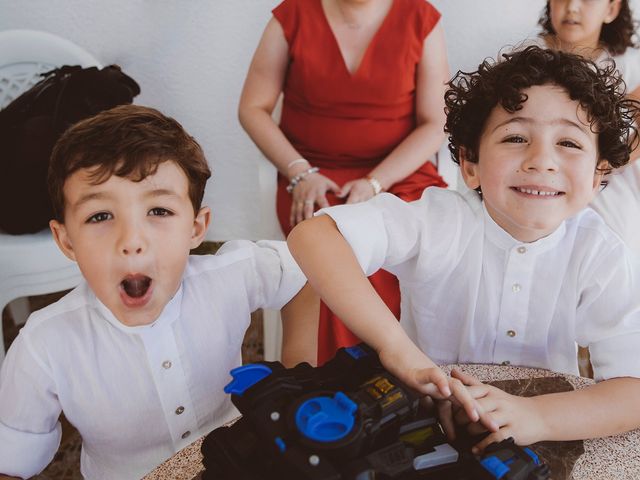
(296,161)
(375,184)
(298,178)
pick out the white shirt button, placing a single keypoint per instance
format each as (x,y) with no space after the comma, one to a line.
(166,364)
(186,434)
(522,249)
(179,410)
(516,287)
(511,333)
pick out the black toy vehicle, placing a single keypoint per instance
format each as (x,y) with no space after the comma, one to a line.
(349,419)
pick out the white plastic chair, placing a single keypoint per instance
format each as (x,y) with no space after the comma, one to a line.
(32,264)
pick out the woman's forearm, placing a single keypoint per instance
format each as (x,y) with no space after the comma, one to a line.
(417,148)
(268,137)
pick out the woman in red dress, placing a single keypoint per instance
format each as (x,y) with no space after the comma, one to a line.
(363,112)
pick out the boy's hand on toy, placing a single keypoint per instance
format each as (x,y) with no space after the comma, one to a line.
(514,416)
(417,371)
(447,410)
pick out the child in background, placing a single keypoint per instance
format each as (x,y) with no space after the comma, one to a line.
(136,356)
(516,270)
(603,30)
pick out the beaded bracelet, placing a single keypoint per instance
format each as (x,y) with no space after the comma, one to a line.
(298,178)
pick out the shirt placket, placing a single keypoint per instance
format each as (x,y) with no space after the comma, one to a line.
(171,384)
(514,306)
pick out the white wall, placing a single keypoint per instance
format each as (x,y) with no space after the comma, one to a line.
(190,58)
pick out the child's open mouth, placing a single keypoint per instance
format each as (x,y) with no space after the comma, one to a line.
(135,290)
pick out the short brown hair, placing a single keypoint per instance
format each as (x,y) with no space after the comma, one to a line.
(128,141)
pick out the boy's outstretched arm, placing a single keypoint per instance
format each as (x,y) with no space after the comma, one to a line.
(300,318)
(333,271)
(607,408)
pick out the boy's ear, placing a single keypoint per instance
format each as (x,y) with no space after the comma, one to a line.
(614,10)
(468,169)
(200,226)
(602,170)
(62,239)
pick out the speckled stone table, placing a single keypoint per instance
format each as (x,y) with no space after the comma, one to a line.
(611,458)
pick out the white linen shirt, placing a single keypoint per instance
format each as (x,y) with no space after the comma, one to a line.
(139,394)
(471,293)
(619,202)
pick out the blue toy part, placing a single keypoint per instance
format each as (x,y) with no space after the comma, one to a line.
(326,419)
(280,444)
(246,376)
(495,466)
(531,453)
(356,352)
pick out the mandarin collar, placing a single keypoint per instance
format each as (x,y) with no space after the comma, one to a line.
(169,314)
(502,239)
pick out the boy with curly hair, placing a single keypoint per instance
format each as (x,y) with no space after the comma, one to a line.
(516,270)
(136,356)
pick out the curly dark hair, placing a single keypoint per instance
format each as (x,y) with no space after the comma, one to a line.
(600,92)
(616,36)
(128,141)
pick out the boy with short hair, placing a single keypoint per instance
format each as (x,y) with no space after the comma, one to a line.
(517,269)
(136,356)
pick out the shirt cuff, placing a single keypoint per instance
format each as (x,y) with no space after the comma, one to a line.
(25,454)
(616,357)
(362,226)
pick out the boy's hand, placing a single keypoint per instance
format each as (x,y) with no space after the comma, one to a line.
(417,371)
(514,416)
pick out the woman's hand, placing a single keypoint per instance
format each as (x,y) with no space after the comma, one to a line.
(514,416)
(357,191)
(310,191)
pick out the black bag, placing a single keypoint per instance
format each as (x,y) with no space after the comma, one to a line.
(32,123)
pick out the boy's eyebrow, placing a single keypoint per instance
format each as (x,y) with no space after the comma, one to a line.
(160,192)
(88,197)
(156,192)
(557,121)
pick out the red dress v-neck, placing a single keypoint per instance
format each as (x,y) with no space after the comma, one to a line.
(345,122)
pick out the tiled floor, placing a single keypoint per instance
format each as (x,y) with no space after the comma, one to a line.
(66,464)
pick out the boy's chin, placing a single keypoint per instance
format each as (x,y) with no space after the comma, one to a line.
(136,317)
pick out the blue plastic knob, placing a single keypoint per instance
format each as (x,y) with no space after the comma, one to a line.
(326,419)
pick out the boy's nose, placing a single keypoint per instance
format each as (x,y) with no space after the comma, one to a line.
(540,159)
(131,241)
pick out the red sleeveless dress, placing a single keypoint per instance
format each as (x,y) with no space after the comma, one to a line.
(345,123)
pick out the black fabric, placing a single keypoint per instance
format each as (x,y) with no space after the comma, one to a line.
(30,126)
